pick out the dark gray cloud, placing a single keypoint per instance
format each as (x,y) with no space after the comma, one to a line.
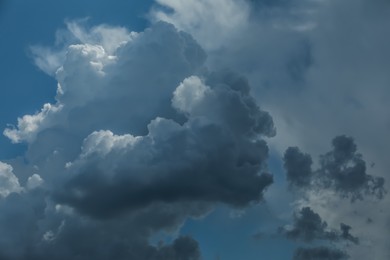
(346,235)
(33,228)
(345,170)
(210,158)
(308,227)
(319,253)
(298,167)
(342,170)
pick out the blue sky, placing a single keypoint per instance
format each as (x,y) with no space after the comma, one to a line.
(168,129)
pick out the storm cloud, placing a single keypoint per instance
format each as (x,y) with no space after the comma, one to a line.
(308,227)
(211,157)
(141,138)
(342,170)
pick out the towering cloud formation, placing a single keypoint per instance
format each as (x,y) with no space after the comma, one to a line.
(211,157)
(141,138)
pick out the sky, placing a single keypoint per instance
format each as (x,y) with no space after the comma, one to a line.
(197,129)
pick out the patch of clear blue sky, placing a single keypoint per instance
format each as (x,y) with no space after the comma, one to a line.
(223,237)
(24,88)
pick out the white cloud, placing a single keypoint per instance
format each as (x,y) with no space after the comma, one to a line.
(9,183)
(102,142)
(212,23)
(109,37)
(50,59)
(188,94)
(29,125)
(34,181)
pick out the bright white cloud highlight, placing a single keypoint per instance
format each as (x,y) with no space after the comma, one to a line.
(188,94)
(9,183)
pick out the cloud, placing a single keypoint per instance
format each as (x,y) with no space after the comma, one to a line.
(50,59)
(308,227)
(34,181)
(320,69)
(342,170)
(9,183)
(40,231)
(319,253)
(210,27)
(29,125)
(345,170)
(316,65)
(346,235)
(109,90)
(211,157)
(298,167)
(141,138)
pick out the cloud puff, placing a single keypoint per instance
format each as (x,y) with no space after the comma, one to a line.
(9,183)
(342,170)
(345,170)
(308,226)
(298,166)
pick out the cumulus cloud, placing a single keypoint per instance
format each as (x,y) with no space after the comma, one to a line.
(298,167)
(141,137)
(308,227)
(345,170)
(211,157)
(9,183)
(341,179)
(342,170)
(29,125)
(34,181)
(50,59)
